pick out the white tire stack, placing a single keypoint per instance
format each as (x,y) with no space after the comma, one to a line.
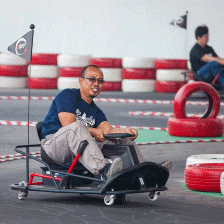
(70,67)
(43,72)
(13,71)
(138,74)
(112,71)
(171,75)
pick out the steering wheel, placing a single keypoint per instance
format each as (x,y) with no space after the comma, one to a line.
(118,136)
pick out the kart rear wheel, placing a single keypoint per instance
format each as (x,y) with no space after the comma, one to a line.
(153,196)
(109,199)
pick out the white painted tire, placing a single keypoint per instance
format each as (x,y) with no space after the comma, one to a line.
(43,71)
(222,183)
(138,85)
(12,59)
(129,62)
(205,158)
(189,65)
(171,75)
(112,74)
(73,60)
(13,82)
(68,82)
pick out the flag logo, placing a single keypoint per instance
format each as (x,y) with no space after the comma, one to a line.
(23,46)
(180,21)
(20,48)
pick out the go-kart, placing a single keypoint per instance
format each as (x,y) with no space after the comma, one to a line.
(75,178)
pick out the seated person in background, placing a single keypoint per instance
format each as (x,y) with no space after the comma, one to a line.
(74,117)
(204,61)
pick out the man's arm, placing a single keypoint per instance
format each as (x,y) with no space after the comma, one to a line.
(66,118)
(208,58)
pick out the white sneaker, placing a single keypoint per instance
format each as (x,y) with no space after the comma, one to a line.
(115,167)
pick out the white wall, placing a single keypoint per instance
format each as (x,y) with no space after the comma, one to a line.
(111,28)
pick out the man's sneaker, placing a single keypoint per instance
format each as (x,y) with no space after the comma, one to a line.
(168,164)
(115,167)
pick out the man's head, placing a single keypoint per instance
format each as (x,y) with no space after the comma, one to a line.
(202,35)
(91,81)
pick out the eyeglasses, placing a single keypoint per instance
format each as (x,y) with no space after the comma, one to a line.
(93,80)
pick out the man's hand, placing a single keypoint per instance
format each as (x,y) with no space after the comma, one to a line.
(98,134)
(132,131)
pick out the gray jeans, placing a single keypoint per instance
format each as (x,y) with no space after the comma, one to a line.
(63,145)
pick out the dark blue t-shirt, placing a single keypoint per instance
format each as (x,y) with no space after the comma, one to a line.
(197,52)
(69,100)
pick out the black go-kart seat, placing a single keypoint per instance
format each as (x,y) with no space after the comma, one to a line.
(51,162)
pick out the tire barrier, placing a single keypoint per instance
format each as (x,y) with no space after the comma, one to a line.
(195,127)
(168,86)
(13,71)
(171,64)
(112,71)
(44,59)
(138,85)
(138,74)
(205,158)
(73,60)
(186,91)
(204,177)
(206,126)
(42,83)
(70,72)
(43,72)
(68,82)
(171,75)
(70,67)
(107,62)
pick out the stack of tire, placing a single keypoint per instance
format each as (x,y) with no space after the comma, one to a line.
(13,71)
(171,75)
(43,73)
(70,67)
(204,173)
(208,125)
(138,75)
(112,70)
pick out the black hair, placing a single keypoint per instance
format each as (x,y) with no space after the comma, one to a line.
(86,67)
(200,31)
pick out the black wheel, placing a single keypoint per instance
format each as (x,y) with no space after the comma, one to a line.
(120,199)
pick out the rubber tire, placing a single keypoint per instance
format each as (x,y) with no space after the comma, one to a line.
(15,71)
(205,158)
(187,90)
(73,60)
(131,62)
(42,83)
(138,85)
(207,171)
(13,82)
(12,59)
(44,59)
(43,71)
(168,86)
(70,72)
(171,75)
(68,82)
(194,127)
(111,86)
(171,64)
(107,62)
(137,73)
(112,74)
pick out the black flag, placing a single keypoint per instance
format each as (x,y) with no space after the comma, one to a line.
(180,21)
(23,46)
